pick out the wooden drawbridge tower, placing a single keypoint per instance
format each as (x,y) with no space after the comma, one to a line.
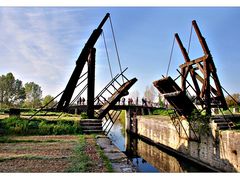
(206,85)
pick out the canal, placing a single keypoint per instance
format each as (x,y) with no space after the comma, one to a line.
(147,157)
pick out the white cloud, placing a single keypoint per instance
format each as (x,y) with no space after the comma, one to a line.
(42,45)
(33,43)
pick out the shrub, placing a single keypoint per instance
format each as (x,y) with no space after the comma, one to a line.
(64,128)
(44,128)
(200,123)
(20,126)
(84,115)
(15,125)
(162,112)
(60,129)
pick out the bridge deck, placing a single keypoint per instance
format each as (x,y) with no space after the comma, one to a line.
(120,92)
(115,107)
(175,96)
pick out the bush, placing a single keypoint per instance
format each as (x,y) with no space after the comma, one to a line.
(15,125)
(162,112)
(33,125)
(200,123)
(84,115)
(20,126)
(64,127)
(60,129)
(44,128)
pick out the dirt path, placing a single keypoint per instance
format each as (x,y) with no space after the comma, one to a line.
(44,154)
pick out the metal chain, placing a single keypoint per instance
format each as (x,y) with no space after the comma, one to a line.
(109,64)
(190,38)
(170,57)
(119,62)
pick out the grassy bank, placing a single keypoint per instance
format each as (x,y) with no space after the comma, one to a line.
(38,126)
(88,157)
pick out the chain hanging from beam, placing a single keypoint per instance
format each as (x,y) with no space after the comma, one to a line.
(109,64)
(170,59)
(115,43)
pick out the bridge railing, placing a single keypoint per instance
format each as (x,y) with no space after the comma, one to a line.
(109,89)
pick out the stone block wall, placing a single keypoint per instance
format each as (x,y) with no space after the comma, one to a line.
(219,149)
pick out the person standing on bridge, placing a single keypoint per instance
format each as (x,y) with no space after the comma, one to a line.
(144,102)
(123,101)
(80,101)
(83,100)
(136,101)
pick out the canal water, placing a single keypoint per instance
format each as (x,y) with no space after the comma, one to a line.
(147,157)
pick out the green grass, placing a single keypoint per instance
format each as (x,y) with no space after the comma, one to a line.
(162,112)
(38,126)
(6,139)
(30,157)
(105,159)
(80,161)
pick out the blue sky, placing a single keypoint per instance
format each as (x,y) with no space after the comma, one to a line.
(42,44)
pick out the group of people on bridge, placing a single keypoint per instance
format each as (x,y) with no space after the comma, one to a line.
(130,101)
(145,102)
(81,101)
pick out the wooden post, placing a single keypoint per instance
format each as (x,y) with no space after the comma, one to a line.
(128,120)
(91,84)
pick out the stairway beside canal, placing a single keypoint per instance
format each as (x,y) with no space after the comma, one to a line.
(91,126)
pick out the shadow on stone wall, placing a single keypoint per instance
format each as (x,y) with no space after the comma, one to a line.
(220,151)
(159,157)
(208,152)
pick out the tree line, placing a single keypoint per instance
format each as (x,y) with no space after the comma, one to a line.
(14,94)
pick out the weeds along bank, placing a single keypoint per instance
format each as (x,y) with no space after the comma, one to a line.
(50,124)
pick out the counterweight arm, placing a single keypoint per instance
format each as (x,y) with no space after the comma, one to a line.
(81,61)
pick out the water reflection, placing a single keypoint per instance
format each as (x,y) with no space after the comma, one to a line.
(146,157)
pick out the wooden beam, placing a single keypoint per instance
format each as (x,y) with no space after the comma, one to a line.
(192,62)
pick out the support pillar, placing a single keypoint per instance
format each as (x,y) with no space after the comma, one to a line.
(128,120)
(91,84)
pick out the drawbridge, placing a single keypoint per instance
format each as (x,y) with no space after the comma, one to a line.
(205,86)
(175,96)
(110,94)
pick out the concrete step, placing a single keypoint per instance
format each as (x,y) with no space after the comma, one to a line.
(221,121)
(91,121)
(92,128)
(90,124)
(93,131)
(223,127)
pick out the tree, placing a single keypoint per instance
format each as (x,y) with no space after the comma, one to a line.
(2,89)
(150,93)
(12,93)
(161,100)
(33,95)
(135,96)
(19,93)
(48,100)
(231,102)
